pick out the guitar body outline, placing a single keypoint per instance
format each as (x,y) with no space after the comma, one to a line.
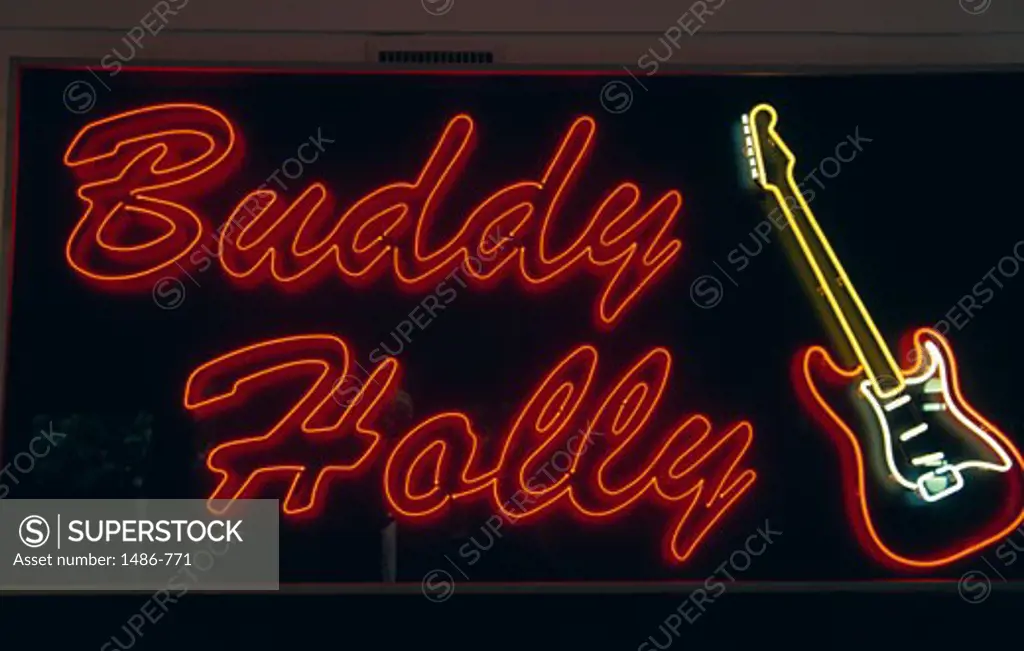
(815,367)
(915,433)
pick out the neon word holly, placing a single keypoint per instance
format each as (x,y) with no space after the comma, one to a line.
(142,173)
(689,471)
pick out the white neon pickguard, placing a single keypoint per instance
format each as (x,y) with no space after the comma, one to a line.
(937,370)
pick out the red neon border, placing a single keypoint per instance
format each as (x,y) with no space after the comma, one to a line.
(14,161)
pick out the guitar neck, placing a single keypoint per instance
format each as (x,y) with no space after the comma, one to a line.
(857,326)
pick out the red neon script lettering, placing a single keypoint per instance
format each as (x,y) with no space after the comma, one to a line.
(619,461)
(611,464)
(302,242)
(134,169)
(315,439)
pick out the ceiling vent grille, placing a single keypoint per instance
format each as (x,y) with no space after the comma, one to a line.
(431,57)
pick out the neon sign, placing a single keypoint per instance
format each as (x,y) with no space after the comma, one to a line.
(909,443)
(923,441)
(142,171)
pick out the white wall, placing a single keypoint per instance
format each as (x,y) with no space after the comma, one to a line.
(739,33)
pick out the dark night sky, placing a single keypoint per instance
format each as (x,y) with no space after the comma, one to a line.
(919,217)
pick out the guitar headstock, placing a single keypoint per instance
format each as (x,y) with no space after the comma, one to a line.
(769,160)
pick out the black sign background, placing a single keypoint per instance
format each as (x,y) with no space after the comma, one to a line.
(919,217)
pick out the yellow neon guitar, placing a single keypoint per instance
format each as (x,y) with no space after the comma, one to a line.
(928,480)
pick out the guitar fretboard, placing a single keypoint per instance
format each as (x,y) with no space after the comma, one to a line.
(836,288)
